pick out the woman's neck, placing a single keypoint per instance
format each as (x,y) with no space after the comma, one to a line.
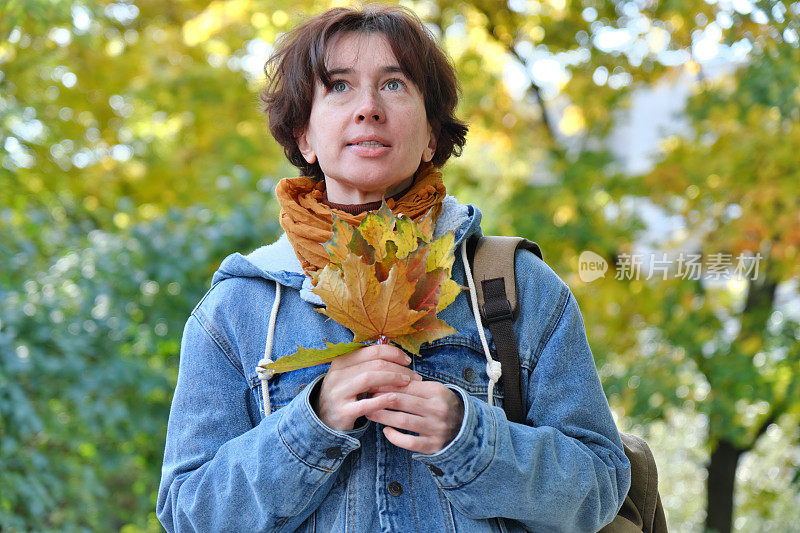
(357,209)
(354,191)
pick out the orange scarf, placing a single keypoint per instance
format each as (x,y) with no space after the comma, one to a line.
(308,223)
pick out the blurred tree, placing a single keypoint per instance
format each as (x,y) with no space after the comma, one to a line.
(735,183)
(730,348)
(89,339)
(132,163)
(151,101)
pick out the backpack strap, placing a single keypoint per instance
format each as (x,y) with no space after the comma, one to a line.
(496,287)
(492,260)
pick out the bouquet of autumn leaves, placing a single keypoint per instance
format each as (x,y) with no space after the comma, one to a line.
(386,281)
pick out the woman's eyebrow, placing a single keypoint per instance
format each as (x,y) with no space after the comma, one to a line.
(390,69)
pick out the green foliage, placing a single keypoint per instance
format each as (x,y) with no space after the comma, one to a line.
(89,340)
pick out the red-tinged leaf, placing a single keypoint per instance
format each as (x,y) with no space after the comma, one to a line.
(428,287)
(417,263)
(337,246)
(360,247)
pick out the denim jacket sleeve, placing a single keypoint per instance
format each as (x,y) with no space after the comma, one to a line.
(565,470)
(220,471)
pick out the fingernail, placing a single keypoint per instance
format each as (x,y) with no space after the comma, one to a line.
(407,359)
(417,377)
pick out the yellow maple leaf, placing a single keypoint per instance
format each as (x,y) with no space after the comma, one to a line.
(441,253)
(428,329)
(406,237)
(447,295)
(376,228)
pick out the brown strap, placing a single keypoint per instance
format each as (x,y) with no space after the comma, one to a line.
(500,321)
(495,283)
(494,258)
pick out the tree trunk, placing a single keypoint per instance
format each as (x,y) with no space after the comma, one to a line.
(721,478)
(725,457)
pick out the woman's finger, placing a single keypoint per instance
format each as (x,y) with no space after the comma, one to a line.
(401,420)
(408,402)
(392,388)
(371,381)
(372,352)
(413,443)
(365,406)
(368,376)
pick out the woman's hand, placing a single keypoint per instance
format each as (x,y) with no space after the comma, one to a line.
(345,393)
(427,408)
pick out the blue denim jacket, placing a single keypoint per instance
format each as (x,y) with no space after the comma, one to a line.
(228,467)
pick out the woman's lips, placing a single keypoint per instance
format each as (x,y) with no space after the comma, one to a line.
(368,151)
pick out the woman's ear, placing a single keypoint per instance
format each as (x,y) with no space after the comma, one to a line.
(430,150)
(301,138)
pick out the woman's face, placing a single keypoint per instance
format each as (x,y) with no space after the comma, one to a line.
(370,99)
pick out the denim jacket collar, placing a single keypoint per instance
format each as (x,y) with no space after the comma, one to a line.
(278,262)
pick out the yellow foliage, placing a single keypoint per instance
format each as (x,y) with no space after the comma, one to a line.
(214,18)
(572,120)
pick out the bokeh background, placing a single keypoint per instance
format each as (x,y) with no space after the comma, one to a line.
(135,158)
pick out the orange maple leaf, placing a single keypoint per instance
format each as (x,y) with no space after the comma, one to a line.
(369,308)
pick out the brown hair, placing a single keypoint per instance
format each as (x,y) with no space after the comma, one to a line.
(299,60)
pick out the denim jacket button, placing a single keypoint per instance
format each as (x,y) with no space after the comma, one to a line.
(334,452)
(469,374)
(435,470)
(395,488)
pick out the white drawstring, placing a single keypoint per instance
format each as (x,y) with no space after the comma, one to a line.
(493,368)
(265,373)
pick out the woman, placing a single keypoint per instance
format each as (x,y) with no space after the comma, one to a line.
(375,440)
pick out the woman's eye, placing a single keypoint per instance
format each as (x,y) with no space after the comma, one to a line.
(340,84)
(394,85)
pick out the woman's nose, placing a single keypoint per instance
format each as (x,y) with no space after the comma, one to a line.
(369,108)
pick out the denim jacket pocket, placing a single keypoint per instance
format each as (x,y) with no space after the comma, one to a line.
(460,361)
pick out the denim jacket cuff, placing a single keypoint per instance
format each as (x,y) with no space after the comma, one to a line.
(469,452)
(309,439)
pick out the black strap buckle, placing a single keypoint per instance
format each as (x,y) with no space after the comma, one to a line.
(499,316)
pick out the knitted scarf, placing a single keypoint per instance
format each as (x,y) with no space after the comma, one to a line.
(306,216)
